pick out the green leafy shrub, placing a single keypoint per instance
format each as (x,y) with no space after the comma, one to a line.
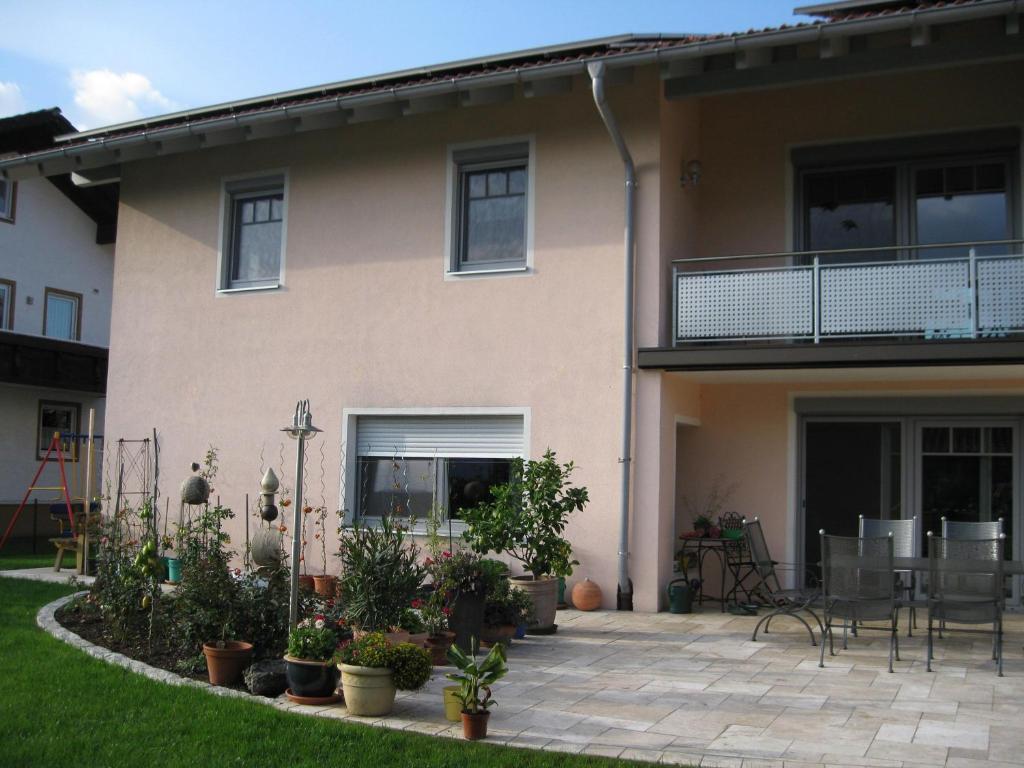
(380,575)
(371,650)
(412,622)
(411,666)
(527,516)
(506,606)
(313,642)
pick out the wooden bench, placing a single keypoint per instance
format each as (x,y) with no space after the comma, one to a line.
(64,543)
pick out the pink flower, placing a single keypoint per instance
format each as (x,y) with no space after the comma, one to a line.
(446,611)
(428,562)
(319,623)
(446,554)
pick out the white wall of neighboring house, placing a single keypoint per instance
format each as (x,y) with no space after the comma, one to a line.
(51,244)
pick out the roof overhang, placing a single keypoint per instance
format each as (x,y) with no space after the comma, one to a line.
(682,62)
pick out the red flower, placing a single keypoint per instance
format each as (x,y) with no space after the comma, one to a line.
(417,603)
(446,611)
(428,562)
(446,554)
(318,617)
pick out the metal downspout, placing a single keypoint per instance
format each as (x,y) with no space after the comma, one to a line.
(596,70)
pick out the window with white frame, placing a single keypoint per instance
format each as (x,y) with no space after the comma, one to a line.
(62,315)
(7,191)
(6,305)
(61,418)
(406,465)
(254,233)
(490,208)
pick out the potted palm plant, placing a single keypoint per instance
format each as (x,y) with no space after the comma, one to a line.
(475,681)
(526,518)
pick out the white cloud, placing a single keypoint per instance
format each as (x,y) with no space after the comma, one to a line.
(11,100)
(107,97)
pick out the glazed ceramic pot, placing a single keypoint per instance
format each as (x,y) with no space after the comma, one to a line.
(369,691)
(225,661)
(544,594)
(586,596)
(310,678)
(474,727)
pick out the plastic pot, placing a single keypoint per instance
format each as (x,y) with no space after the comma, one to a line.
(680,596)
(474,727)
(452,703)
(310,678)
(369,691)
(173,570)
(226,661)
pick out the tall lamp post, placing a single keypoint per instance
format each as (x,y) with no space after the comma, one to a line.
(301,430)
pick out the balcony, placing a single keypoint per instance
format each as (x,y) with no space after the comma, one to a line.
(946,304)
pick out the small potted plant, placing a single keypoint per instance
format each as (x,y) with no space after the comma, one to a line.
(310,667)
(366,677)
(439,638)
(504,610)
(475,681)
(412,622)
(526,518)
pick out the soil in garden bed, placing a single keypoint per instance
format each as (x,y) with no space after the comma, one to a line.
(84,620)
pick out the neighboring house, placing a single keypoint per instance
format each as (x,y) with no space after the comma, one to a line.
(435,258)
(56,274)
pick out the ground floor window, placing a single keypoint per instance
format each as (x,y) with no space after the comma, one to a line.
(408,465)
(63,418)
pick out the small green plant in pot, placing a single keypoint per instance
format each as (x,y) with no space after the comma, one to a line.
(366,675)
(310,667)
(526,518)
(475,681)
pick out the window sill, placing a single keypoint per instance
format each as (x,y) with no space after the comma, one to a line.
(470,273)
(250,289)
(420,529)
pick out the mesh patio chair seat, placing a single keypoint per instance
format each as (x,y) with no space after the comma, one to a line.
(785,602)
(905,537)
(970,530)
(967,598)
(857,587)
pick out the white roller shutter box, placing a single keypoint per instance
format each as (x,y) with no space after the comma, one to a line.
(429,436)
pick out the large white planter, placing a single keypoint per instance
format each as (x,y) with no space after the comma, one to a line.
(369,691)
(544,594)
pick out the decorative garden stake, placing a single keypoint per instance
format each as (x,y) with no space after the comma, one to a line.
(301,430)
(266,544)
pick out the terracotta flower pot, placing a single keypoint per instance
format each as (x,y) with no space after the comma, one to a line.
(369,691)
(502,633)
(474,727)
(326,586)
(418,638)
(438,646)
(309,678)
(544,594)
(226,661)
(586,596)
(306,583)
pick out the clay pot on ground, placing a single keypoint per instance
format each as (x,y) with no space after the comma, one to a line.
(544,594)
(492,635)
(226,660)
(310,678)
(325,586)
(474,727)
(586,596)
(438,646)
(369,691)
(306,583)
(418,638)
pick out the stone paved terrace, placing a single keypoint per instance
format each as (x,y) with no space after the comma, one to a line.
(693,690)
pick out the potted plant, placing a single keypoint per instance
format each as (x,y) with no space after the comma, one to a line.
(380,577)
(504,610)
(526,518)
(475,681)
(439,638)
(411,666)
(366,678)
(459,581)
(310,667)
(413,623)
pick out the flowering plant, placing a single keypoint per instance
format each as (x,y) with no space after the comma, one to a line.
(371,650)
(314,639)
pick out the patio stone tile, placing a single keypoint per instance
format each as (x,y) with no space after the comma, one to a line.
(758,762)
(563,746)
(792,700)
(863,762)
(637,739)
(721,761)
(966,762)
(674,757)
(642,755)
(749,741)
(891,750)
(926,707)
(946,734)
(599,750)
(904,734)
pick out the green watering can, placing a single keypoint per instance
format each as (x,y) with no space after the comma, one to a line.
(680,595)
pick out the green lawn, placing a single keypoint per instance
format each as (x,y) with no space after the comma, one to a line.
(10,561)
(61,707)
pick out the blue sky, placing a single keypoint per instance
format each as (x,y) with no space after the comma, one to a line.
(104,62)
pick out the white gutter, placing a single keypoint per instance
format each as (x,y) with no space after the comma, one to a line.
(596,69)
(732,44)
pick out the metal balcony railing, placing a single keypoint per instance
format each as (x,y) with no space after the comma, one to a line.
(942,291)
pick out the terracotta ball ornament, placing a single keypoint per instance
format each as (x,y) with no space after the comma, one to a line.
(586,595)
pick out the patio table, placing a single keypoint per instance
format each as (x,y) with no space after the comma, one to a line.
(733,561)
(1010,567)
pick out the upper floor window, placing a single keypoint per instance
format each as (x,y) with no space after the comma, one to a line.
(941,190)
(6,305)
(491,208)
(62,315)
(7,192)
(254,233)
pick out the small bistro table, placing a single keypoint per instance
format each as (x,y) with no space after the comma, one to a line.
(732,560)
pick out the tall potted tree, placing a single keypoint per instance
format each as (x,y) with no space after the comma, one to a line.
(526,517)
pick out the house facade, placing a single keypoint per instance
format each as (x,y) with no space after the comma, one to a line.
(826,256)
(56,273)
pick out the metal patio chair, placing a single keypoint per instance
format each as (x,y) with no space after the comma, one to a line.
(905,538)
(764,570)
(858,586)
(972,530)
(966,598)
